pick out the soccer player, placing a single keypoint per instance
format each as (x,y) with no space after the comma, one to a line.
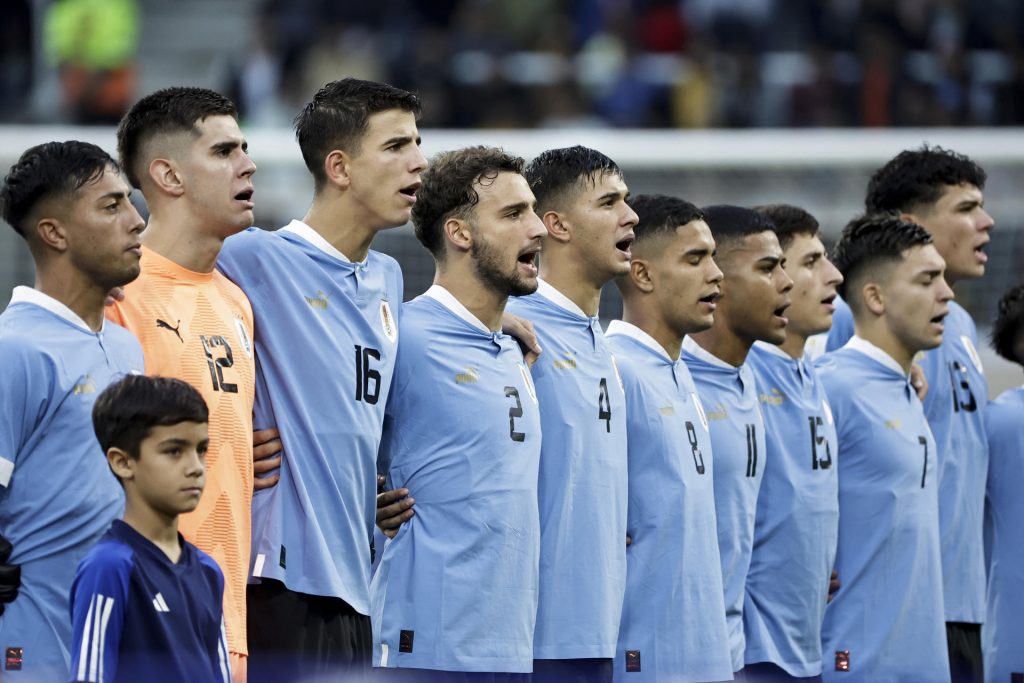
(941,191)
(753,301)
(886,624)
(456,589)
(183,149)
(70,203)
(581,198)
(326,309)
(1003,634)
(146,605)
(797,517)
(673,616)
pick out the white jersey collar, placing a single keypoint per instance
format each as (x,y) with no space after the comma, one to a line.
(546,290)
(632,331)
(448,300)
(695,349)
(317,240)
(29,295)
(875,353)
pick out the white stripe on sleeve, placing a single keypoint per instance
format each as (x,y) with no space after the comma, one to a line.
(83,652)
(108,607)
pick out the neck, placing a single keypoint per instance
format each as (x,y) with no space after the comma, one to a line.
(795,344)
(723,344)
(881,336)
(158,527)
(670,340)
(569,276)
(486,304)
(76,291)
(179,241)
(345,229)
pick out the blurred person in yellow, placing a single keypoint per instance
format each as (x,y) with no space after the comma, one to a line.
(182,147)
(93,43)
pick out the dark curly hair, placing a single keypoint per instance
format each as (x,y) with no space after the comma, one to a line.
(789,221)
(554,173)
(1007,326)
(448,189)
(918,176)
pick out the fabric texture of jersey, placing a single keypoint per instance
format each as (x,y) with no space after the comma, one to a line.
(583,481)
(1003,632)
(886,623)
(797,524)
(673,616)
(197,327)
(729,395)
(137,616)
(57,495)
(326,338)
(955,408)
(456,589)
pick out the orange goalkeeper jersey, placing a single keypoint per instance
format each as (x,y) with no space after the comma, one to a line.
(198,327)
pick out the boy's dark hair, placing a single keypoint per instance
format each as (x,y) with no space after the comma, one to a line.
(128,409)
(734,223)
(555,172)
(338,116)
(448,189)
(1008,323)
(918,176)
(167,111)
(869,241)
(52,169)
(661,215)
(789,221)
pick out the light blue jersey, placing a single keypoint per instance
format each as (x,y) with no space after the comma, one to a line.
(673,617)
(886,623)
(326,340)
(1003,633)
(583,481)
(729,395)
(955,408)
(797,525)
(57,494)
(456,589)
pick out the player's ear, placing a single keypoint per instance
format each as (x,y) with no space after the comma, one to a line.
(557,226)
(874,298)
(457,234)
(51,233)
(122,464)
(640,275)
(165,174)
(337,168)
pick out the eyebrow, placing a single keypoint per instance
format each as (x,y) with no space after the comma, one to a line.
(613,195)
(402,139)
(773,260)
(519,206)
(228,145)
(115,194)
(698,251)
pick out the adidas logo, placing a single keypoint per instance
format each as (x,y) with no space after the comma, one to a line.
(160,604)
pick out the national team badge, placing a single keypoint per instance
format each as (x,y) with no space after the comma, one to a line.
(243,337)
(528,380)
(700,411)
(387,321)
(972,352)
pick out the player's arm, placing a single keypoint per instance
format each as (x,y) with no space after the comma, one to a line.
(833,585)
(267,453)
(522,330)
(98,597)
(394,508)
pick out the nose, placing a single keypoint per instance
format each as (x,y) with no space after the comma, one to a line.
(946,292)
(419,160)
(138,225)
(835,278)
(629,216)
(785,282)
(249,167)
(987,222)
(538,231)
(196,464)
(715,273)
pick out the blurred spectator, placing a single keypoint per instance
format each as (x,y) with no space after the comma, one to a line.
(15,58)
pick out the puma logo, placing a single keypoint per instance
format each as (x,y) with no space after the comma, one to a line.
(167,326)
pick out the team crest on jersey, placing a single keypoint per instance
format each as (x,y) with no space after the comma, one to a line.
(243,337)
(387,321)
(828,410)
(86,385)
(700,410)
(528,380)
(972,352)
(618,377)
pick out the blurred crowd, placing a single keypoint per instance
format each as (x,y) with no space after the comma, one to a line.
(620,63)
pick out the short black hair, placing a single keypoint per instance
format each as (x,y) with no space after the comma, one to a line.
(128,409)
(661,215)
(553,173)
(448,191)
(730,223)
(789,221)
(870,240)
(918,176)
(1008,323)
(338,116)
(52,169)
(167,111)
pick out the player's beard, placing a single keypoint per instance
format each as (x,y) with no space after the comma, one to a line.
(487,264)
